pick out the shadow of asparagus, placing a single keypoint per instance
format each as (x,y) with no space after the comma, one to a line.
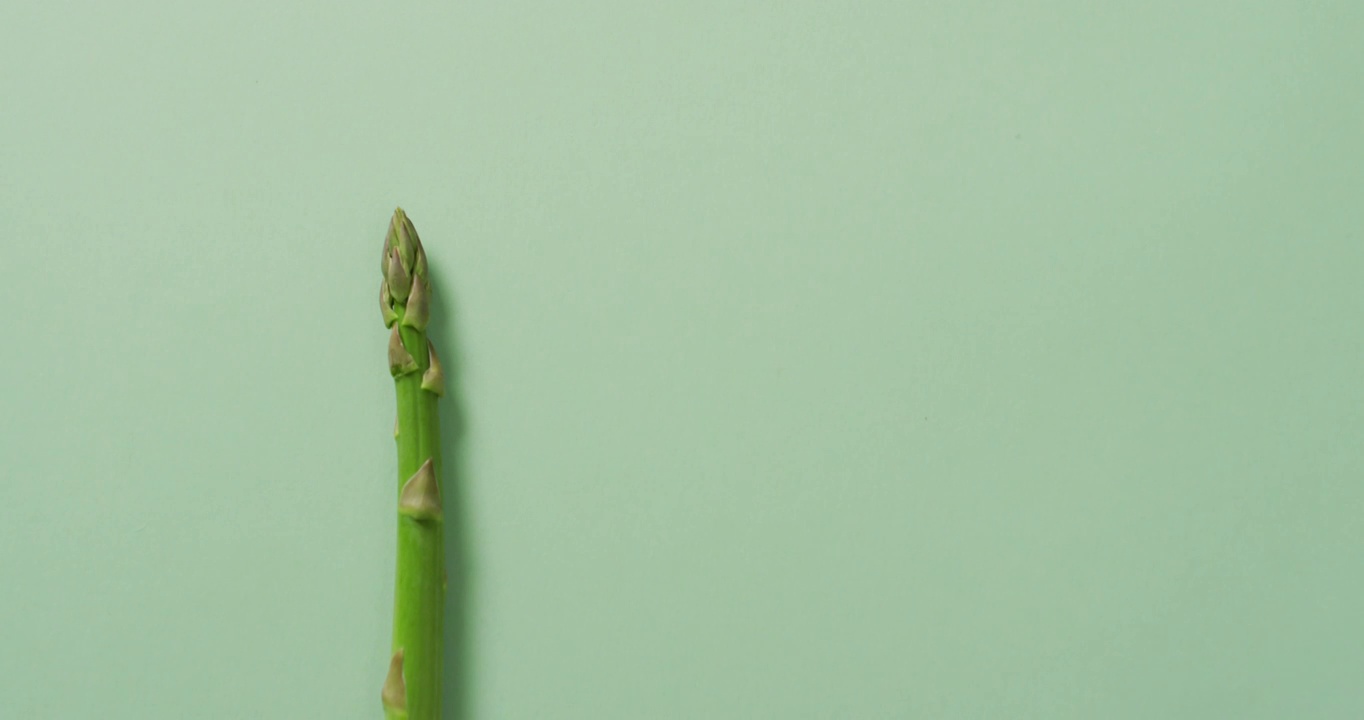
(458,639)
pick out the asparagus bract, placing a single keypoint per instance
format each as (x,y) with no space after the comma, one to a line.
(412,689)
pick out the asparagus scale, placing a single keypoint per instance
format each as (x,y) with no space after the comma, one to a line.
(412,689)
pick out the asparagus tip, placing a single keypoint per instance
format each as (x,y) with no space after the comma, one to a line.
(399,277)
(386,305)
(420,268)
(403,236)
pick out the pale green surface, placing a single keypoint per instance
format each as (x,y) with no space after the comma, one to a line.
(819,360)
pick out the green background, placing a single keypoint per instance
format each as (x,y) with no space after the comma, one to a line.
(814,359)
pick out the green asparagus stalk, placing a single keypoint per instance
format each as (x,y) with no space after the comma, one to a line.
(412,690)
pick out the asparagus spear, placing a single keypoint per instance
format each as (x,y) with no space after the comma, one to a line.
(412,688)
